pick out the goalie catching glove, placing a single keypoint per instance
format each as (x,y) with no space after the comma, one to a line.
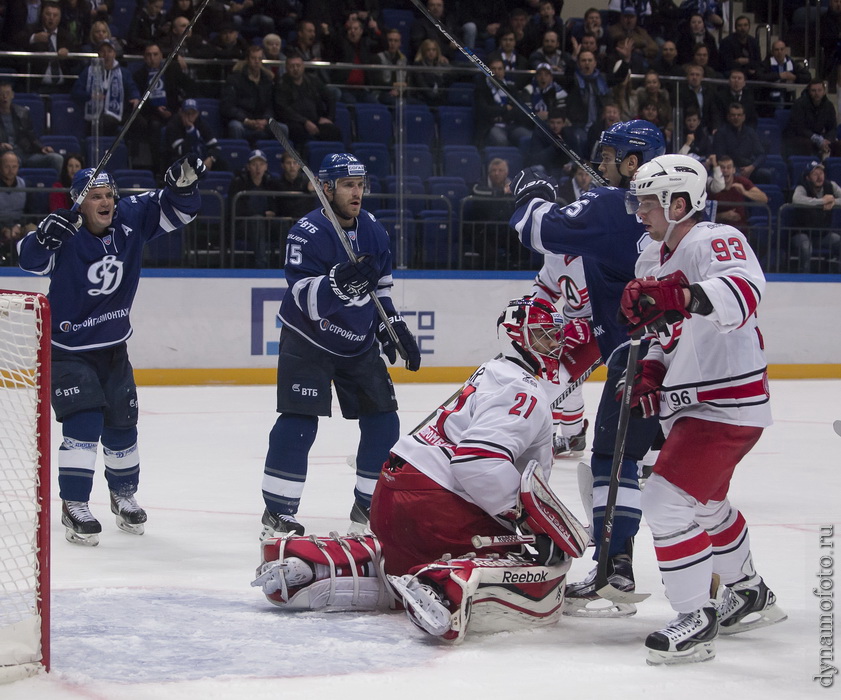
(184,173)
(58,227)
(407,340)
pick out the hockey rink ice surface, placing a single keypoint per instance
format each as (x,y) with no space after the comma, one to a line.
(170,615)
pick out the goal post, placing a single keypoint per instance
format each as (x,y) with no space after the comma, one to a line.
(24,484)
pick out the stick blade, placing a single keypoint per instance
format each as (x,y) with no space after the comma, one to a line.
(611,593)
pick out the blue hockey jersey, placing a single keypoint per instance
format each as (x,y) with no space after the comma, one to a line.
(608,239)
(93,280)
(310,307)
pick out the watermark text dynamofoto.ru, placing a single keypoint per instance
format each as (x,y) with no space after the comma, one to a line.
(825,595)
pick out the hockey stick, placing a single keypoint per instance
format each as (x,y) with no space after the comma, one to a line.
(117,141)
(556,404)
(573,156)
(277,132)
(603,587)
(502,540)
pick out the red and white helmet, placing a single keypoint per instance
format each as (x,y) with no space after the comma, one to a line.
(535,329)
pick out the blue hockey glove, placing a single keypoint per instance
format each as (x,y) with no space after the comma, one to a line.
(184,173)
(352,280)
(532,183)
(407,340)
(58,227)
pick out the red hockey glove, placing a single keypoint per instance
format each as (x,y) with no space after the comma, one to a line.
(645,395)
(577,333)
(647,299)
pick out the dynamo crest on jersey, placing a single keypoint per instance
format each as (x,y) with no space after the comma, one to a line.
(65,326)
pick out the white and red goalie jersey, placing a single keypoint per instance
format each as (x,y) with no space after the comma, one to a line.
(482,460)
(730,383)
(561,279)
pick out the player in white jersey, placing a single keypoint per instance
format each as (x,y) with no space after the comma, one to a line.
(562,279)
(697,290)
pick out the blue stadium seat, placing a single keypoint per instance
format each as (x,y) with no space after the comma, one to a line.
(770,135)
(62,144)
(418,160)
(375,156)
(437,242)
(455,126)
(401,20)
(510,154)
(779,168)
(389,218)
(462,161)
(461,94)
(42,178)
(344,122)
(121,17)
(209,112)
(453,188)
(372,202)
(418,124)
(118,160)
(833,170)
(67,117)
(218,181)
(234,152)
(373,123)
(37,110)
(412,185)
(316,150)
(135,179)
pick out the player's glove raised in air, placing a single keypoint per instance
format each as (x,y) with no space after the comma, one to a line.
(407,340)
(649,299)
(58,227)
(184,173)
(532,183)
(350,280)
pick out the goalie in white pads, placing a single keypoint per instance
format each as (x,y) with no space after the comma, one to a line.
(705,376)
(478,467)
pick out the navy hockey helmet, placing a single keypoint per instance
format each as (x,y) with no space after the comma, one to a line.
(80,181)
(635,136)
(338,165)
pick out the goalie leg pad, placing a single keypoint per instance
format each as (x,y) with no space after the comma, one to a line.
(324,573)
(545,514)
(487,595)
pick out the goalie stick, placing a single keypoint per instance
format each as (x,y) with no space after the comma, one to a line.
(277,132)
(603,586)
(573,156)
(152,85)
(502,540)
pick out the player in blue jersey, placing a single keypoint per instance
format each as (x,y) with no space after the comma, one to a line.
(598,228)
(329,334)
(93,257)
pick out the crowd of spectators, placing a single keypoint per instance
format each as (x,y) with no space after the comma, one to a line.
(650,59)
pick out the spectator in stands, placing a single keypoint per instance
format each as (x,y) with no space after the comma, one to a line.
(352,45)
(391,76)
(247,101)
(487,240)
(253,213)
(709,10)
(740,50)
(696,140)
(813,223)
(543,151)
(653,92)
(645,48)
(547,19)
(702,57)
(736,91)
(695,95)
(592,25)
(572,188)
(188,132)
(272,44)
(625,97)
(147,25)
(544,93)
(610,115)
(732,188)
(811,129)
(778,67)
(666,64)
(73,163)
(305,105)
(831,46)
(17,133)
(293,180)
(180,8)
(692,34)
(422,30)
(47,36)
(741,142)
(310,48)
(194,46)
(119,93)
(506,52)
(251,16)
(518,19)
(76,18)
(285,14)
(429,86)
(98,33)
(550,54)
(498,121)
(14,206)
(229,44)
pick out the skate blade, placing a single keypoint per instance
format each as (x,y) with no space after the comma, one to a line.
(756,620)
(74,537)
(128,527)
(597,607)
(610,592)
(705,651)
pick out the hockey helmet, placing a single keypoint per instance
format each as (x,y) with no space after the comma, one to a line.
(666,176)
(635,136)
(535,329)
(338,165)
(81,178)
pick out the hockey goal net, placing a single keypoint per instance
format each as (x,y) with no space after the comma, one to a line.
(24,484)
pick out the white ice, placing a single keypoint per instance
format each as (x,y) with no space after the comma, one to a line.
(170,615)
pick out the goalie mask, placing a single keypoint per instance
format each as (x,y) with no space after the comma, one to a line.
(535,329)
(335,166)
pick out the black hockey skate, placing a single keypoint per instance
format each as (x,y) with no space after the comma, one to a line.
(80,525)
(130,516)
(688,639)
(747,605)
(279,525)
(570,447)
(359,519)
(581,599)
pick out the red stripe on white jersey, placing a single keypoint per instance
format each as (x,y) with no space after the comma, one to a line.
(749,296)
(754,389)
(481,453)
(683,550)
